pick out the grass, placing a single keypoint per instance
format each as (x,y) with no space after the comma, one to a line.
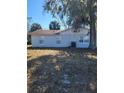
(48,66)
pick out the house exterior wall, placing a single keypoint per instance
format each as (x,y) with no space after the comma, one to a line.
(50,41)
(63,39)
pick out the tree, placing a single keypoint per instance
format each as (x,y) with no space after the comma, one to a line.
(54,25)
(29,21)
(35,26)
(77,12)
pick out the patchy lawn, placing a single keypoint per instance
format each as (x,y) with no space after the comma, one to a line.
(66,70)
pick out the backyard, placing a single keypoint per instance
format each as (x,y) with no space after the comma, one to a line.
(65,70)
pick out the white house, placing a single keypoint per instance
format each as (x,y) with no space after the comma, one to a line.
(61,38)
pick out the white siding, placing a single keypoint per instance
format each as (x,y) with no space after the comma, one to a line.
(65,38)
(75,36)
(50,41)
(85,43)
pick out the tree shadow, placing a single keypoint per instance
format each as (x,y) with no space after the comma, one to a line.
(63,49)
(46,73)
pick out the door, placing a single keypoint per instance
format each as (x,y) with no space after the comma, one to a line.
(73,44)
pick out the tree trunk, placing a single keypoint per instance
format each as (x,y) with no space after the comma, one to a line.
(92,28)
(92,34)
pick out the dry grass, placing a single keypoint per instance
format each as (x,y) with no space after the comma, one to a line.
(32,54)
(49,62)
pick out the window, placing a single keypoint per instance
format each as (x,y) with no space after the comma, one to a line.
(58,41)
(86,40)
(41,41)
(81,41)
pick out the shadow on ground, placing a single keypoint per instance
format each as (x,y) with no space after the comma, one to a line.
(70,71)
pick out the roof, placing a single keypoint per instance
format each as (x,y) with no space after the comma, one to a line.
(44,32)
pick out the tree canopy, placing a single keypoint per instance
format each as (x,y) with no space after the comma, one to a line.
(75,13)
(54,25)
(35,26)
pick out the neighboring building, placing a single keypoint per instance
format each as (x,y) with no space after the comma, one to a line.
(61,38)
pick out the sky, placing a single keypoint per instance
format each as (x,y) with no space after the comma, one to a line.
(35,10)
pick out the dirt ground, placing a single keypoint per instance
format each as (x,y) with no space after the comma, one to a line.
(65,70)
